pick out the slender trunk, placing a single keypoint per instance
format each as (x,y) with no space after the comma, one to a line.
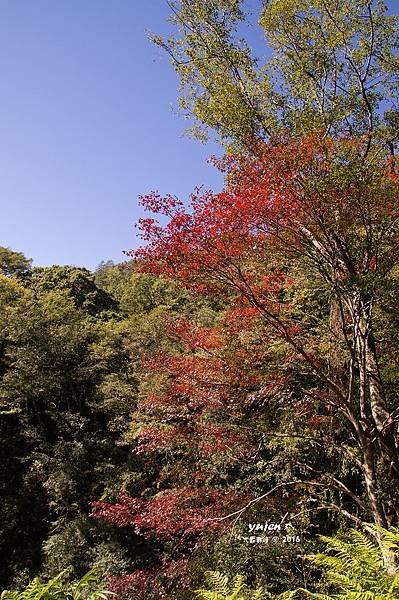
(376,506)
(370,481)
(373,416)
(372,389)
(376,388)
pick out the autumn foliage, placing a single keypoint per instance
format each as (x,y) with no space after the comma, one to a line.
(295,213)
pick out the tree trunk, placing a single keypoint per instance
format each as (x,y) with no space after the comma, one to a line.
(376,506)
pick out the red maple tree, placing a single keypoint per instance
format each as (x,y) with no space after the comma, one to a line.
(294,211)
(314,203)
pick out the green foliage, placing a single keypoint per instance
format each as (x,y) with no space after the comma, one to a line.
(139,293)
(78,283)
(57,447)
(356,567)
(276,565)
(71,350)
(72,346)
(222,589)
(335,62)
(89,587)
(334,66)
(221,86)
(13,263)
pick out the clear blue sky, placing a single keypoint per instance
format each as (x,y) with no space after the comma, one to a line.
(86,126)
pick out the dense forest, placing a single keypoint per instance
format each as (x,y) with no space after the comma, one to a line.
(223,406)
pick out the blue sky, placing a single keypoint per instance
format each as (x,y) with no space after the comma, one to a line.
(86,127)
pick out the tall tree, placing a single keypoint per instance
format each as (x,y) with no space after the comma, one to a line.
(310,208)
(334,67)
(13,263)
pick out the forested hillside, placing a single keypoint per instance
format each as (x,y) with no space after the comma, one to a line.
(226,401)
(72,345)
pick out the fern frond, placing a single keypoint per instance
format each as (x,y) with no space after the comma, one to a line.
(209,595)
(238,585)
(237,590)
(88,588)
(218,581)
(292,595)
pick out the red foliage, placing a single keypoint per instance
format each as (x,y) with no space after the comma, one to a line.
(294,198)
(194,337)
(176,514)
(153,582)
(201,439)
(208,380)
(305,198)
